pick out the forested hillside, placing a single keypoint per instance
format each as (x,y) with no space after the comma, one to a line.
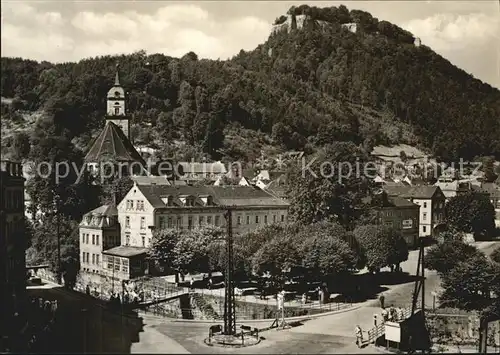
(296,91)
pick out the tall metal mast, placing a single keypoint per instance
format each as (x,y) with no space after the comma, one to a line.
(229,304)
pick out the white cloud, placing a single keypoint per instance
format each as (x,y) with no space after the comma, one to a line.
(452,32)
(171,29)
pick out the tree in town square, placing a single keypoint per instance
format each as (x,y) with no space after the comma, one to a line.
(471,213)
(185,251)
(381,246)
(468,284)
(329,185)
(443,257)
(276,258)
(246,245)
(324,255)
(162,250)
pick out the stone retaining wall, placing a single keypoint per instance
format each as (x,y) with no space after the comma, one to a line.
(449,326)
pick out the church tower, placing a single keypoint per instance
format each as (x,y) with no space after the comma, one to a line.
(116,106)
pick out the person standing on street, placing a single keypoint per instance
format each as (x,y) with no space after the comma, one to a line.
(382,301)
(191,283)
(359,336)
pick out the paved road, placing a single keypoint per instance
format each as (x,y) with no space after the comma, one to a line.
(328,334)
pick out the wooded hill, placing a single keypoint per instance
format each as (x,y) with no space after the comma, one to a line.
(296,91)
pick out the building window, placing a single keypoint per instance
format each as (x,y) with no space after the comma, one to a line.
(274,218)
(265,219)
(88,256)
(127,222)
(117,264)
(425,204)
(282,218)
(248,219)
(239,220)
(256,219)
(125,265)
(217,220)
(87,239)
(117,110)
(424,216)
(162,222)
(179,222)
(190,222)
(83,238)
(97,239)
(83,257)
(131,204)
(97,259)
(170,224)
(93,258)
(209,220)
(143,222)
(201,220)
(143,241)
(110,262)
(127,239)
(424,229)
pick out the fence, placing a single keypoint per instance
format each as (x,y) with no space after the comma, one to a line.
(379,330)
(146,289)
(211,307)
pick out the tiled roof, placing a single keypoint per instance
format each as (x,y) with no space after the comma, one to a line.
(126,251)
(396,201)
(411,191)
(151,180)
(104,210)
(222,195)
(102,217)
(112,144)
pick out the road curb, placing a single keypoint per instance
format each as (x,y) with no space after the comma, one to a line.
(289,319)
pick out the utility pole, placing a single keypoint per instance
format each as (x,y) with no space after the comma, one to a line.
(229,305)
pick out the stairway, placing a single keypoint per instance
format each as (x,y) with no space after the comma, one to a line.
(205,308)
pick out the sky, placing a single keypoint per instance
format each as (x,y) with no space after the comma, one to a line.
(464,32)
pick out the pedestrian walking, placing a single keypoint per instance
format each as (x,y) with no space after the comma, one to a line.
(210,282)
(304,298)
(382,300)
(359,336)
(191,283)
(375,320)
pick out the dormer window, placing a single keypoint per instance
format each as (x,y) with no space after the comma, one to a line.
(117,94)
(210,201)
(117,110)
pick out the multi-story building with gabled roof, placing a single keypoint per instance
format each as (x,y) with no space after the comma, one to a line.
(148,207)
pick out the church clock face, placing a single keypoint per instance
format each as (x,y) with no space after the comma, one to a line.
(117,94)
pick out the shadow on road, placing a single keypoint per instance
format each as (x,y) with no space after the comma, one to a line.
(86,325)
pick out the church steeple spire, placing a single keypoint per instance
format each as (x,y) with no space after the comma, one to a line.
(116,112)
(117,75)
